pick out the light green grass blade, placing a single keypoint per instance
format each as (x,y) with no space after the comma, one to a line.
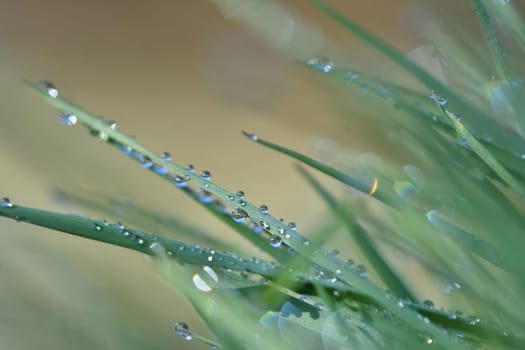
(482,122)
(367,188)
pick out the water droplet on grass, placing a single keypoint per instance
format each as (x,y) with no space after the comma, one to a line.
(429,304)
(292,226)
(205,196)
(159,169)
(48,87)
(263,209)
(166,156)
(205,175)
(322,64)
(68,119)
(112,124)
(190,168)
(97,226)
(146,162)
(250,136)
(180,181)
(203,282)
(361,271)
(239,215)
(6,203)
(275,241)
(183,330)
(157,248)
(442,101)
(240,194)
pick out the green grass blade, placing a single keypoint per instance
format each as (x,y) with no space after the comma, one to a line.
(389,277)
(481,151)
(136,240)
(367,188)
(482,121)
(502,66)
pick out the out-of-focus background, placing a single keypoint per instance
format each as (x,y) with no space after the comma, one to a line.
(184,79)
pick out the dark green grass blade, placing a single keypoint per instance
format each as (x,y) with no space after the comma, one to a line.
(361,239)
(133,239)
(353,182)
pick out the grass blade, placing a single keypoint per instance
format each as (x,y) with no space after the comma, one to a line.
(389,277)
(371,188)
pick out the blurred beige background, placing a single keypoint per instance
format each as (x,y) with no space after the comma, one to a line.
(184,79)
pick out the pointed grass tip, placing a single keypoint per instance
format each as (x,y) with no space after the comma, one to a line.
(250,136)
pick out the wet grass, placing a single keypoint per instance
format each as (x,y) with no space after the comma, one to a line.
(457,211)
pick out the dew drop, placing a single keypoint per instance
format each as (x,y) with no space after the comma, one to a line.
(201,282)
(239,215)
(240,194)
(127,150)
(112,124)
(280,230)
(183,330)
(166,156)
(146,162)
(205,196)
(205,175)
(292,226)
(48,87)
(97,226)
(257,229)
(429,304)
(264,225)
(6,203)
(159,169)
(319,306)
(250,136)
(68,119)
(140,241)
(157,248)
(231,197)
(242,203)
(442,101)
(263,209)
(275,241)
(361,271)
(190,168)
(322,64)
(180,181)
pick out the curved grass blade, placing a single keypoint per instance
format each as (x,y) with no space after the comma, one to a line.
(368,188)
(389,277)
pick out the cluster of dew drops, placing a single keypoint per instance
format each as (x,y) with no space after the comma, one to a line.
(238,214)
